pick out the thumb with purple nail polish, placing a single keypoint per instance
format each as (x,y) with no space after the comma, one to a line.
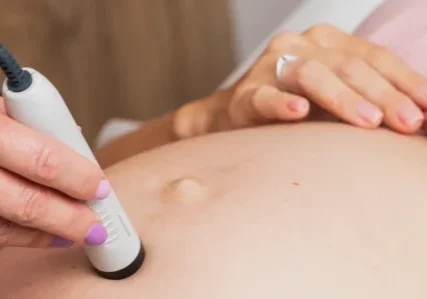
(97,235)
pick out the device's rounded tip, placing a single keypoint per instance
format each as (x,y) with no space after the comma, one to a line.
(131,269)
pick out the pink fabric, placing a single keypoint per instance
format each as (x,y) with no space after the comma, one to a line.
(400,25)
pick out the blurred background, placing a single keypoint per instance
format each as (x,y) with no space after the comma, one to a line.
(135,59)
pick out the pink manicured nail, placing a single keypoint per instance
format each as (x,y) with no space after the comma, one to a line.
(369,113)
(103,190)
(298,104)
(410,116)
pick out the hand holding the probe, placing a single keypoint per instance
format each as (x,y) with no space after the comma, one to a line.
(40,180)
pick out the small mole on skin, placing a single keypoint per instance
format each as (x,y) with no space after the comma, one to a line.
(295,183)
(73,266)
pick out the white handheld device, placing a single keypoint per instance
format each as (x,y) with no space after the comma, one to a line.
(32,100)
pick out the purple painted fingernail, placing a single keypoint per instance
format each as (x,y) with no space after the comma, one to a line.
(97,235)
(103,190)
(59,242)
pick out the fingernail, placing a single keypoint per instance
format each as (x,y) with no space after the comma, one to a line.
(369,113)
(59,242)
(103,190)
(96,235)
(298,104)
(410,116)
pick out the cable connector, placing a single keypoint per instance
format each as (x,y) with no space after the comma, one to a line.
(18,79)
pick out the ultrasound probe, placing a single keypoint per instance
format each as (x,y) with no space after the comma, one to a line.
(32,100)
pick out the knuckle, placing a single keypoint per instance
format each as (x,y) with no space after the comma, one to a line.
(183,122)
(241,108)
(80,219)
(319,29)
(310,78)
(384,95)
(33,207)
(5,228)
(305,70)
(336,104)
(350,67)
(283,41)
(333,58)
(321,33)
(379,54)
(239,93)
(44,164)
(237,109)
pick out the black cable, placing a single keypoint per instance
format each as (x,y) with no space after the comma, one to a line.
(18,79)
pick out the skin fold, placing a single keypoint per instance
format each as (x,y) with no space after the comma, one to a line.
(298,211)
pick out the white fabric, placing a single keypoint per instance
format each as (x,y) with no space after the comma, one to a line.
(346,15)
(114,128)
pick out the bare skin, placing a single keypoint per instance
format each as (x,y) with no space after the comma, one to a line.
(300,211)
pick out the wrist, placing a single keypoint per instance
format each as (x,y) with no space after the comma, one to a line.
(150,134)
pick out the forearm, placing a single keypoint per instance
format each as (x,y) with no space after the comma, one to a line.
(151,134)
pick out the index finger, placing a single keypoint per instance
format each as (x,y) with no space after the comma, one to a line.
(389,65)
(46,161)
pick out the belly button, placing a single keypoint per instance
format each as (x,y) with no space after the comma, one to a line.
(185,191)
